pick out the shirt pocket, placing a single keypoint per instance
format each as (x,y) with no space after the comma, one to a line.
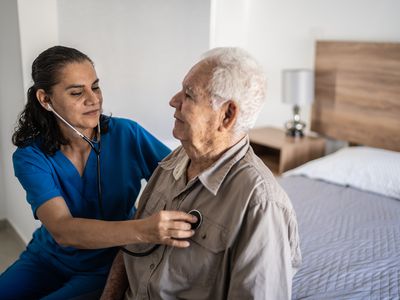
(200,263)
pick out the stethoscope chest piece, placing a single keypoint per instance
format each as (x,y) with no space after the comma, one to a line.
(198,215)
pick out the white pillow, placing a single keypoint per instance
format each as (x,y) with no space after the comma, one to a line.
(370,169)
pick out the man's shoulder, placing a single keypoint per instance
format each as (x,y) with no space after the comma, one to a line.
(171,160)
(252,171)
(254,175)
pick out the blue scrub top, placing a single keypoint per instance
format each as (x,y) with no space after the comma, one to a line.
(128,154)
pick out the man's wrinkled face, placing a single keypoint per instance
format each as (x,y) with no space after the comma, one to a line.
(196,123)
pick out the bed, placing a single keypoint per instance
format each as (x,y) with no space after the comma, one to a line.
(348,203)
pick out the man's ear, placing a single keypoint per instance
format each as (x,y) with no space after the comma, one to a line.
(43,98)
(230,112)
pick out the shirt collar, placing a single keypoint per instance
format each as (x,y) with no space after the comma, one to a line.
(212,177)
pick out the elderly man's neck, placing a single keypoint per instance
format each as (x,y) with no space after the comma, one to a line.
(201,158)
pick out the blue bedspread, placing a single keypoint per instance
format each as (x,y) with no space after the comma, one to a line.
(350,241)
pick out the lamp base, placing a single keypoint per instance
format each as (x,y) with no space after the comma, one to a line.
(295,128)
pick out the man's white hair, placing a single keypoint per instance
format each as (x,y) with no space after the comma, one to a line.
(237,76)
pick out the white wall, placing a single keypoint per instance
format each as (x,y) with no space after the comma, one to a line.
(38,27)
(281,34)
(13,203)
(141,49)
(26,27)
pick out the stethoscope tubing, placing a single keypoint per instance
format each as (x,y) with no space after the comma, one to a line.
(99,190)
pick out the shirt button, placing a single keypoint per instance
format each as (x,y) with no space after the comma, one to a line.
(151,266)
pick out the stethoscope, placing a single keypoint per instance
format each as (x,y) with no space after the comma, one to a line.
(97,150)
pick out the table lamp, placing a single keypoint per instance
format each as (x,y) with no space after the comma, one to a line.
(298,90)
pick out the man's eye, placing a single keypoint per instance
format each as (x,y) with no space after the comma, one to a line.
(95,88)
(76,93)
(188,96)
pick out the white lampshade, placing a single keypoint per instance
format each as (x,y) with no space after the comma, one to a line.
(298,86)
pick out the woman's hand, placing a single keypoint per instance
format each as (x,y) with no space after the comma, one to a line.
(167,227)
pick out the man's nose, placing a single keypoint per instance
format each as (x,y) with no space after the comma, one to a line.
(175,100)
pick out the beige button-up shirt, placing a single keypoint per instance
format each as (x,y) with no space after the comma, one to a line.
(247,246)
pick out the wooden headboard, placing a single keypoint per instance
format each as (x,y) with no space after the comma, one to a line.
(357,93)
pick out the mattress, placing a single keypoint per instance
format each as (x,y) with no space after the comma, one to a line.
(350,241)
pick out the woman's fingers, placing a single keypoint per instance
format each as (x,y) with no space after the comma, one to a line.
(178,225)
(177,215)
(176,230)
(180,234)
(171,227)
(177,243)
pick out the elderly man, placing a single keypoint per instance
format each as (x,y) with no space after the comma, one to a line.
(247,246)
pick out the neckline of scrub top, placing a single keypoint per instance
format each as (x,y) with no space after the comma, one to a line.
(70,169)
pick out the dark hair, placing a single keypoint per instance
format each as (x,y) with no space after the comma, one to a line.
(35,122)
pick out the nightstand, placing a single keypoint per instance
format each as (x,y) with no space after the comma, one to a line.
(281,152)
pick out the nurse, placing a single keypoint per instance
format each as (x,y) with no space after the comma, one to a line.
(70,255)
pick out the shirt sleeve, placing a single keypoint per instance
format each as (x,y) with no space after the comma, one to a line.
(150,151)
(267,253)
(35,176)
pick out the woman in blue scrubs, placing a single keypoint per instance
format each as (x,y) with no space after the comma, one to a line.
(70,255)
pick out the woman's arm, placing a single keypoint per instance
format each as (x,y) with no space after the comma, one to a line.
(164,227)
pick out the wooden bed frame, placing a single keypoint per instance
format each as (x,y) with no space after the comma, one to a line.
(357,93)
